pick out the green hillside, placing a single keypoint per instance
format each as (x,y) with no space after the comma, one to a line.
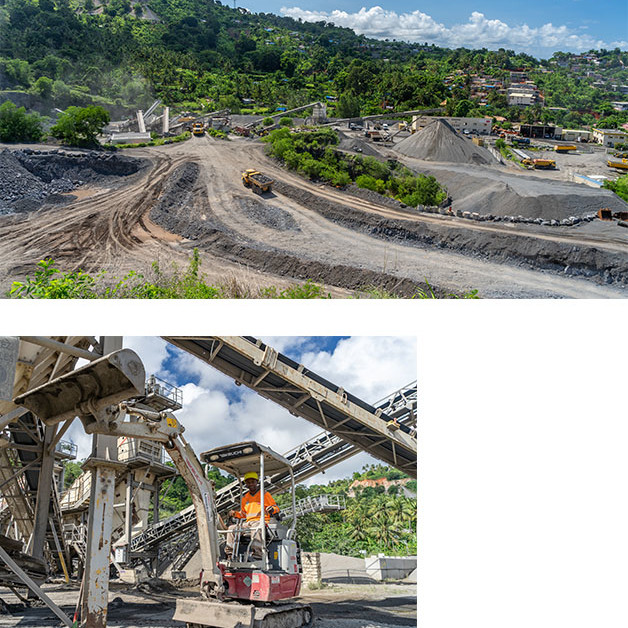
(204,55)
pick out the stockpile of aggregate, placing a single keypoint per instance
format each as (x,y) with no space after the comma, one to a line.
(17,183)
(29,178)
(493,192)
(356,145)
(438,141)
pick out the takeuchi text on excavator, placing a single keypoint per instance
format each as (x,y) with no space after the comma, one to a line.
(239,589)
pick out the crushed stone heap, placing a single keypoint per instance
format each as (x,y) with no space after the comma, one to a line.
(438,141)
(16,182)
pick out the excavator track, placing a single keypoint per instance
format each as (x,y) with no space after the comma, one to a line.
(198,613)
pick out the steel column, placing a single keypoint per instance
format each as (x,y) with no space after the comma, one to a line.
(44,491)
(103,465)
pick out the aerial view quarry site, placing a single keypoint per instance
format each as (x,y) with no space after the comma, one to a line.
(505,231)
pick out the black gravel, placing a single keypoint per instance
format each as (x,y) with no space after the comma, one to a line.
(268,215)
(31,178)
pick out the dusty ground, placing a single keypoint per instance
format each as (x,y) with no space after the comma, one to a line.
(335,606)
(190,195)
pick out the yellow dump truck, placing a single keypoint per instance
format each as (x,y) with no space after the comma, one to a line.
(544,163)
(198,129)
(621,164)
(257,181)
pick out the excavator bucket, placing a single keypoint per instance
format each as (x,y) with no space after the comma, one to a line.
(205,614)
(86,390)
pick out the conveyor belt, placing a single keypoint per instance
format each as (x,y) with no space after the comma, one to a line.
(308,395)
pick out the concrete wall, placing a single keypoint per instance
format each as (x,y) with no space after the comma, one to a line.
(390,567)
(311,562)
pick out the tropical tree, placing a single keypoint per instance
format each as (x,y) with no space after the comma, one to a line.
(80,126)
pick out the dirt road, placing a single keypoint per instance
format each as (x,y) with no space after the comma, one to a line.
(337,606)
(191,196)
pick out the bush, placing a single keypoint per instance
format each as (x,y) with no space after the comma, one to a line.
(268,121)
(79,126)
(285,122)
(367,182)
(18,126)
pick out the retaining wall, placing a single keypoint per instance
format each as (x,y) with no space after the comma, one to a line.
(389,567)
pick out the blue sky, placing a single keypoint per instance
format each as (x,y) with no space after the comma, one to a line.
(217,412)
(536,27)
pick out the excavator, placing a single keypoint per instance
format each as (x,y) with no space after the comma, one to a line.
(239,591)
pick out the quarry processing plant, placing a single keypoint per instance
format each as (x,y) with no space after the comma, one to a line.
(83,532)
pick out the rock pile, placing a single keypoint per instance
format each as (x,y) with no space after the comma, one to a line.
(439,141)
(30,178)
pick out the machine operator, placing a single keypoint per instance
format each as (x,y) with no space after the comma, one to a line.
(249,515)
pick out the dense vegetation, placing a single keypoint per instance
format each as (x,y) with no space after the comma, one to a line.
(620,186)
(18,126)
(313,155)
(374,521)
(202,54)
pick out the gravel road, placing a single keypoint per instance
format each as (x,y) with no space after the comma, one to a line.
(336,606)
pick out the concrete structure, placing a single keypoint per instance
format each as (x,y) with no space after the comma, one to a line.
(620,105)
(390,567)
(609,137)
(518,76)
(576,135)
(540,131)
(311,565)
(481,126)
(129,138)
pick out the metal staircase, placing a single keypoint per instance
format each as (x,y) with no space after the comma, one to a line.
(320,503)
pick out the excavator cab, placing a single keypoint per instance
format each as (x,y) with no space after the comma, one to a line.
(256,592)
(277,569)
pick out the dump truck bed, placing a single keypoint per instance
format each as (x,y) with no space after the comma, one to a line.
(260,178)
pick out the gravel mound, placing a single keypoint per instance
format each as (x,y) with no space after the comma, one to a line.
(491,191)
(356,145)
(29,178)
(17,183)
(438,141)
(268,215)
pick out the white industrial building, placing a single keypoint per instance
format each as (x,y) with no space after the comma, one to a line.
(609,137)
(576,135)
(479,126)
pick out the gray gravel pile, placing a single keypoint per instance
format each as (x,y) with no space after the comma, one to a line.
(17,183)
(268,215)
(438,141)
(494,192)
(86,167)
(356,145)
(29,178)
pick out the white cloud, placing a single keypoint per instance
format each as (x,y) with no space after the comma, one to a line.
(477,32)
(369,367)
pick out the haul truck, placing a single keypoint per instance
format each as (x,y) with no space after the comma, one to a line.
(231,589)
(198,129)
(257,181)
